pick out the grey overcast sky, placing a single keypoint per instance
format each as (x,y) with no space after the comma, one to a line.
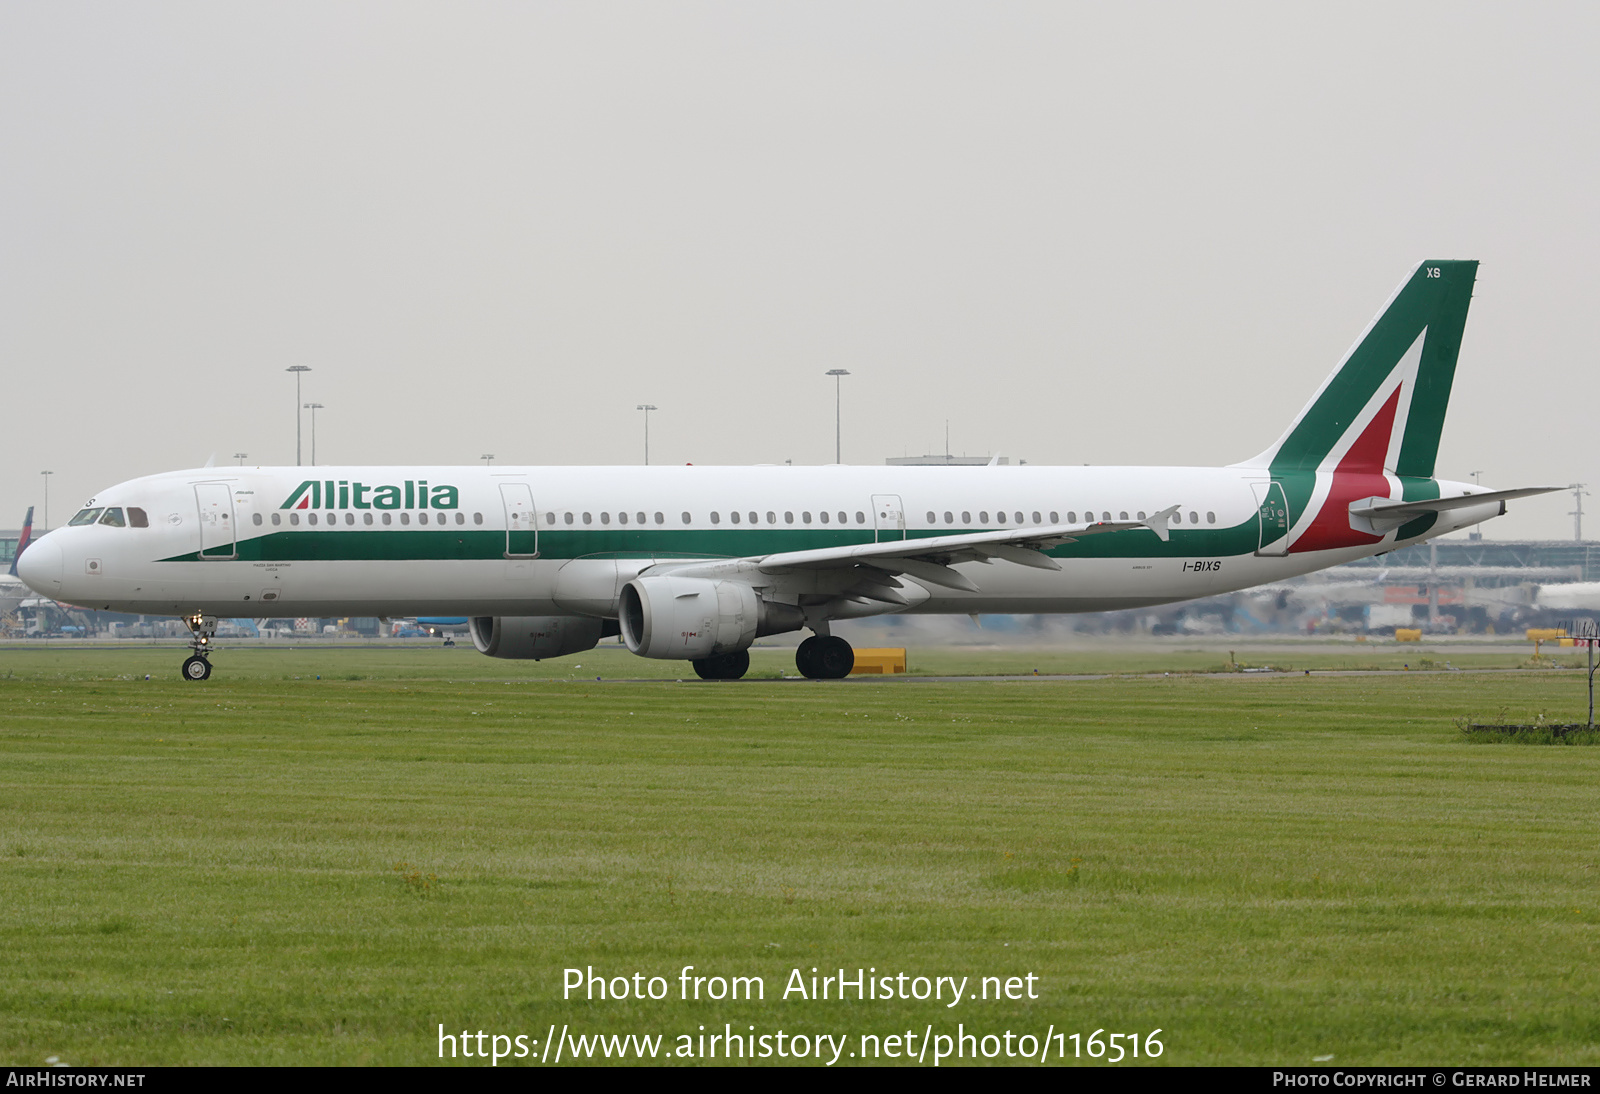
(1081,233)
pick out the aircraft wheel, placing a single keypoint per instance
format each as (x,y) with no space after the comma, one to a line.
(197,668)
(805,658)
(834,658)
(723,666)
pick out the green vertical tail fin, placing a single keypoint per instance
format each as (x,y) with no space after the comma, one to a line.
(1390,391)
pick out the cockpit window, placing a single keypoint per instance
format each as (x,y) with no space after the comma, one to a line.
(137,517)
(113,518)
(85,516)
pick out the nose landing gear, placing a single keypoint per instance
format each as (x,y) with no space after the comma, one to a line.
(202,629)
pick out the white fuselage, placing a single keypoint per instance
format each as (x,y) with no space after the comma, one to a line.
(535,541)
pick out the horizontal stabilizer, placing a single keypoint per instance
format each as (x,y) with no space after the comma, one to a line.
(1376,516)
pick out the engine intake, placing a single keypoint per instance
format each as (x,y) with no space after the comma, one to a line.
(690,618)
(535,637)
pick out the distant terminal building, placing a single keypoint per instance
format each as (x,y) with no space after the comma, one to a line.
(9,538)
(948,461)
(1578,560)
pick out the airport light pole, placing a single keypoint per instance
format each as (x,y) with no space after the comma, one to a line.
(488,459)
(314,407)
(838,375)
(241,457)
(47,475)
(297,370)
(647,408)
(1578,492)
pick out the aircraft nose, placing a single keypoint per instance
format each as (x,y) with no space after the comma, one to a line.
(40,567)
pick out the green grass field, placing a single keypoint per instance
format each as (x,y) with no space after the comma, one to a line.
(275,868)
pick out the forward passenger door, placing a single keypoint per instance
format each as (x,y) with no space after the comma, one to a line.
(215,501)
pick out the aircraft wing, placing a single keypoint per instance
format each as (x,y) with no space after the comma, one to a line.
(930,559)
(1384,515)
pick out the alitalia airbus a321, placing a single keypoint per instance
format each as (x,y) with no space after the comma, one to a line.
(696,563)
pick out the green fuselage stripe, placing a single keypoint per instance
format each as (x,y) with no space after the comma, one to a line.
(419,545)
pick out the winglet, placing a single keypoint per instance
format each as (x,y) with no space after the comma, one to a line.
(1157,522)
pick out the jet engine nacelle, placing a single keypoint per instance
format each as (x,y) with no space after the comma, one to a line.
(689,618)
(535,637)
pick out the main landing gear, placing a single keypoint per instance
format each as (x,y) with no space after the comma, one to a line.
(723,666)
(825,657)
(202,629)
(820,657)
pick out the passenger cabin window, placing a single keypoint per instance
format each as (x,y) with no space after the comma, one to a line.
(388,518)
(983,516)
(567,517)
(734,516)
(716,517)
(755,518)
(255,518)
(605,518)
(422,518)
(949,517)
(1055,518)
(641,517)
(549,518)
(772,518)
(1123,515)
(844,518)
(366,518)
(861,518)
(966,517)
(461,518)
(137,518)
(85,516)
(588,518)
(350,518)
(1000,518)
(687,518)
(788,517)
(823,516)
(661,518)
(405,518)
(1036,519)
(622,517)
(1194,518)
(311,518)
(294,518)
(1211,518)
(277,519)
(931,518)
(805,517)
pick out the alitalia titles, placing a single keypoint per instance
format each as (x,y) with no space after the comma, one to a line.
(352,494)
